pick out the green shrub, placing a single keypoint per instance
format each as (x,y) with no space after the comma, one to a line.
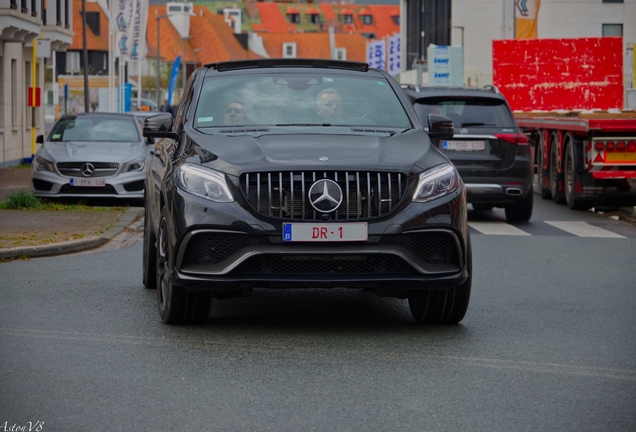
(22,199)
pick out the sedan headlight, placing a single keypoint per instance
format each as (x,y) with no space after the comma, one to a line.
(136,165)
(436,182)
(204,182)
(42,164)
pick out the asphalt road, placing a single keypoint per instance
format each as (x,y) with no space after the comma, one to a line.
(548,344)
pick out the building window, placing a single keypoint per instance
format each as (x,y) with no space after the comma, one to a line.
(43,6)
(14,92)
(58,12)
(341,53)
(612,30)
(313,18)
(294,18)
(396,19)
(92,21)
(72,62)
(347,19)
(367,19)
(34,8)
(66,23)
(174,9)
(289,50)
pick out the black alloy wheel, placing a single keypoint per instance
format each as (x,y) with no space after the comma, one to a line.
(444,306)
(557,196)
(521,211)
(150,252)
(176,305)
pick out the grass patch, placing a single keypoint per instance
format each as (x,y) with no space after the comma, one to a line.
(22,200)
(22,166)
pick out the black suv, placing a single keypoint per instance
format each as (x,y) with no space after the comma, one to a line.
(296,173)
(492,155)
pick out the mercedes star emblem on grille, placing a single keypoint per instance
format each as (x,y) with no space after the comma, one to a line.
(325,195)
(463,131)
(88,170)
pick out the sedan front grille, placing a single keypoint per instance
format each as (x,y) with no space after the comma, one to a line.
(285,194)
(74,169)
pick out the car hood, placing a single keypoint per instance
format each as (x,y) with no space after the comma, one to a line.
(78,151)
(407,152)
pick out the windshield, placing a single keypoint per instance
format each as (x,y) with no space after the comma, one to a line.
(98,129)
(467,112)
(299,99)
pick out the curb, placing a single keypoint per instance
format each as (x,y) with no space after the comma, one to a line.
(126,219)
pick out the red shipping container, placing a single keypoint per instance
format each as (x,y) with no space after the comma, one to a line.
(560,74)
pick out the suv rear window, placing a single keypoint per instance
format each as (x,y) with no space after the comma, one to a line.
(467,112)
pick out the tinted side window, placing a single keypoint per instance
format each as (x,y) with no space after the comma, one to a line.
(466,112)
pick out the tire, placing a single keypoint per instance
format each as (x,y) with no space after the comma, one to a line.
(150,252)
(572,167)
(520,211)
(444,307)
(557,196)
(483,207)
(176,305)
(541,175)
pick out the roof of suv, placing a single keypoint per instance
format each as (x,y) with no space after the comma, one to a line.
(415,92)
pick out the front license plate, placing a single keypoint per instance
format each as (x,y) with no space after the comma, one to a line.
(88,182)
(325,232)
(463,145)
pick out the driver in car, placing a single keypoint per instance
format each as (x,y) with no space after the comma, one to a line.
(329,106)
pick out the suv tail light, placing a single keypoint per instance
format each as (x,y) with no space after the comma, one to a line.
(517,139)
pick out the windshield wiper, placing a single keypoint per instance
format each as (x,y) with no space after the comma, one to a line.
(477,124)
(303,124)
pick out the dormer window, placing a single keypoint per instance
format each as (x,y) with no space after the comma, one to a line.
(293,15)
(314,15)
(396,19)
(347,16)
(365,16)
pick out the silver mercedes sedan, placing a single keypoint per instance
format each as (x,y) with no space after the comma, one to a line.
(96,155)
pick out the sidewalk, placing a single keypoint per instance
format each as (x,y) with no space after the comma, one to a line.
(38,233)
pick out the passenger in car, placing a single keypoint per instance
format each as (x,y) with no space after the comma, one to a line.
(233,114)
(329,105)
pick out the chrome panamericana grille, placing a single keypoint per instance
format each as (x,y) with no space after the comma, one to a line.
(74,169)
(284,194)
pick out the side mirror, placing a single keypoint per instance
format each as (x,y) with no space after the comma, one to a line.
(159,126)
(440,127)
(39,139)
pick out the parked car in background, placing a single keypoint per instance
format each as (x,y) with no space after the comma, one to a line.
(491,153)
(299,173)
(146,105)
(95,155)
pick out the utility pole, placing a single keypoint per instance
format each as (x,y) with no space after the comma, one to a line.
(158,62)
(87,101)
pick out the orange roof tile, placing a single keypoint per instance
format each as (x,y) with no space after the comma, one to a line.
(312,11)
(364,11)
(292,10)
(315,45)
(214,37)
(273,19)
(93,42)
(346,11)
(327,11)
(382,20)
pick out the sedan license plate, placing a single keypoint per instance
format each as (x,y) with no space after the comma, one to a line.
(88,182)
(464,145)
(325,232)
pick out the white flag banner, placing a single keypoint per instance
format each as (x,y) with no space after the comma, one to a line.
(379,55)
(394,57)
(370,49)
(131,20)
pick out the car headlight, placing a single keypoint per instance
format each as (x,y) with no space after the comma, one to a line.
(42,164)
(436,182)
(136,165)
(203,182)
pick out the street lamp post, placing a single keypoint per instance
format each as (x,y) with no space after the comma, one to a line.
(159,63)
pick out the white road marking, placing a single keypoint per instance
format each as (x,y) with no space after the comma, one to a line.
(583,229)
(497,228)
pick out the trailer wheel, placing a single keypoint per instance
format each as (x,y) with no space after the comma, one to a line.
(557,196)
(572,166)
(542,174)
